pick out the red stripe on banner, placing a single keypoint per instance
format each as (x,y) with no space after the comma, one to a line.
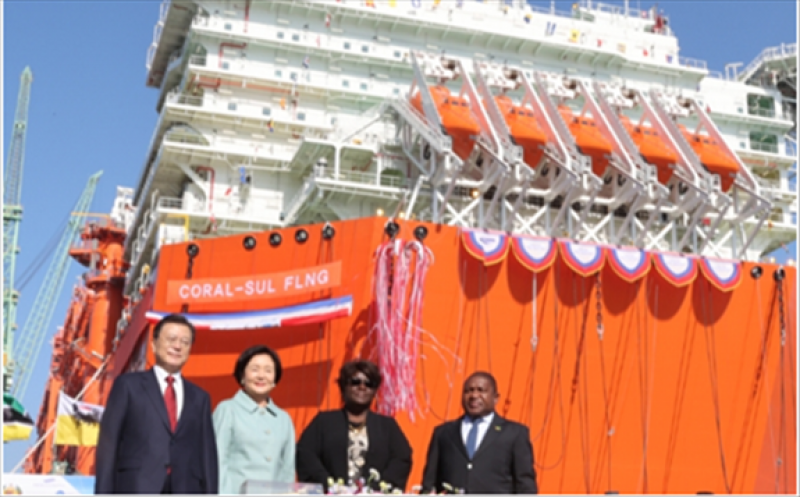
(301,320)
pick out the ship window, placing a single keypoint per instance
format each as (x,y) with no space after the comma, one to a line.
(280,35)
(365,48)
(346,83)
(363,86)
(397,54)
(278,73)
(232,106)
(266,111)
(447,100)
(396,91)
(225,65)
(295,37)
(293,76)
(758,105)
(228,26)
(530,114)
(301,116)
(347,45)
(512,112)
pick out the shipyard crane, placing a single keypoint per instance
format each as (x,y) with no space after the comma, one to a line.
(29,340)
(12,217)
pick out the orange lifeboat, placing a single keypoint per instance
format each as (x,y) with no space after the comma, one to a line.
(588,138)
(652,148)
(456,118)
(523,128)
(713,157)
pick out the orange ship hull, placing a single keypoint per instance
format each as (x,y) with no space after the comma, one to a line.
(524,129)
(633,413)
(588,138)
(713,157)
(456,119)
(652,148)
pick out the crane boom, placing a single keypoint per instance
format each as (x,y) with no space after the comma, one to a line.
(12,216)
(32,335)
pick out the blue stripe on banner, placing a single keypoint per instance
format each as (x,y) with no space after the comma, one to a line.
(280,312)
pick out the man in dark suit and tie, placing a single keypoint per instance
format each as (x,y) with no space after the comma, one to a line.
(156,434)
(480,453)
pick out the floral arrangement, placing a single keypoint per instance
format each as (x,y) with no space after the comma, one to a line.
(338,487)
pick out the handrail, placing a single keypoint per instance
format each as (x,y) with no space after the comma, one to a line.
(782,50)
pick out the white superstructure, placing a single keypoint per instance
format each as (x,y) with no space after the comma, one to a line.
(277,113)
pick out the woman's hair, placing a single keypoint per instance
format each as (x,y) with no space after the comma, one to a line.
(247,356)
(349,369)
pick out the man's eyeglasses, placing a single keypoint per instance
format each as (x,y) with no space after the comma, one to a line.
(357,382)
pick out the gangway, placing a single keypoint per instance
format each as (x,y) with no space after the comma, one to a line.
(735,194)
(449,138)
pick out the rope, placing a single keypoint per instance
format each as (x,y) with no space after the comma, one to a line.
(749,412)
(555,381)
(711,355)
(55,423)
(641,345)
(600,334)
(680,392)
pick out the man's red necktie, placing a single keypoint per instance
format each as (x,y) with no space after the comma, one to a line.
(171,400)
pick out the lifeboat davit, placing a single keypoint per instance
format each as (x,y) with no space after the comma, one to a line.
(652,147)
(588,138)
(713,157)
(456,118)
(524,128)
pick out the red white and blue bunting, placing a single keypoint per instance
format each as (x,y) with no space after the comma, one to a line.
(536,254)
(725,275)
(629,263)
(678,269)
(490,247)
(584,258)
(314,312)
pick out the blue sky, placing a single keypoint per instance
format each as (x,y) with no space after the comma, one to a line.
(90,109)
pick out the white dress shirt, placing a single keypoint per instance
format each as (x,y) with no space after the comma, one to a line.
(161,376)
(466,426)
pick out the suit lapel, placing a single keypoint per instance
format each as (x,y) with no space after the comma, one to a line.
(454,434)
(492,434)
(188,398)
(153,391)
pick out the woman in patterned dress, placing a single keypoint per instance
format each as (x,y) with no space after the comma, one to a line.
(348,444)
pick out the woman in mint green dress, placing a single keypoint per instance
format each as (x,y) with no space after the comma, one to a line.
(255,438)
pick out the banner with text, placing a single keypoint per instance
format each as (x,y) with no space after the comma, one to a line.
(255,287)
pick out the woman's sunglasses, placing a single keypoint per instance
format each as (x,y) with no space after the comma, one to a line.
(357,382)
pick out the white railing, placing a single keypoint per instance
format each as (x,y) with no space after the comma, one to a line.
(694,63)
(323,80)
(758,111)
(764,147)
(771,53)
(254,109)
(476,17)
(361,177)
